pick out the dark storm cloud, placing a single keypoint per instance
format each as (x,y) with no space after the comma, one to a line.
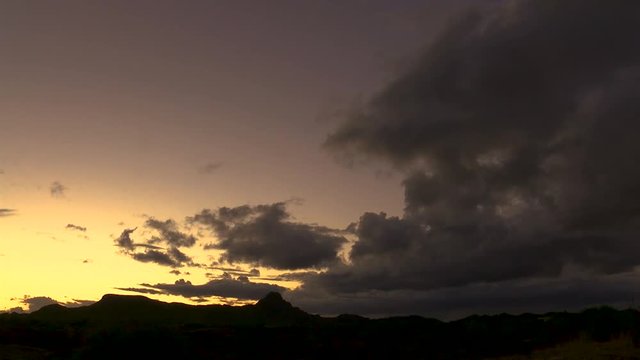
(56,189)
(495,80)
(393,253)
(209,168)
(7,212)
(539,296)
(76,227)
(264,235)
(517,134)
(240,289)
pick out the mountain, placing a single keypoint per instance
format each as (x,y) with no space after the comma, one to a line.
(138,327)
(271,311)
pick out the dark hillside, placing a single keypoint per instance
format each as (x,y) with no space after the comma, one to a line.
(135,326)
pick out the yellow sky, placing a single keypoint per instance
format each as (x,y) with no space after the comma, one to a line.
(41,257)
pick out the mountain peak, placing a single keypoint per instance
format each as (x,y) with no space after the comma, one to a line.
(125,301)
(118,296)
(274,301)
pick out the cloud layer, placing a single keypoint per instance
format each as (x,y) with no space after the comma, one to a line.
(515,132)
(240,288)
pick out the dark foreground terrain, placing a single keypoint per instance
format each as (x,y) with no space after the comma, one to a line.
(121,327)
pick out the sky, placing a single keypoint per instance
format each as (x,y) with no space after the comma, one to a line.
(377,157)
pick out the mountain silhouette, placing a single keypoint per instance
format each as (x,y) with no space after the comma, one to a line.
(272,311)
(125,327)
(274,301)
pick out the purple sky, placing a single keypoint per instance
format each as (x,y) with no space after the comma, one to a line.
(477,128)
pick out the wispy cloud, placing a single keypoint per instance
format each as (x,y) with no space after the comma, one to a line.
(209,168)
(76,227)
(7,212)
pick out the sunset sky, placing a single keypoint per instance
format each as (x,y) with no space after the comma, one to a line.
(376,157)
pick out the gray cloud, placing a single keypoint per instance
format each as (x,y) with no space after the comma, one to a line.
(7,212)
(169,233)
(237,271)
(169,256)
(264,235)
(240,289)
(37,302)
(155,256)
(57,189)
(76,227)
(124,240)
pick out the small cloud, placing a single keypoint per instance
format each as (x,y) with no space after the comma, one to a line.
(236,271)
(76,227)
(175,272)
(86,261)
(209,168)
(7,212)
(38,302)
(142,290)
(78,303)
(57,190)
(254,272)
